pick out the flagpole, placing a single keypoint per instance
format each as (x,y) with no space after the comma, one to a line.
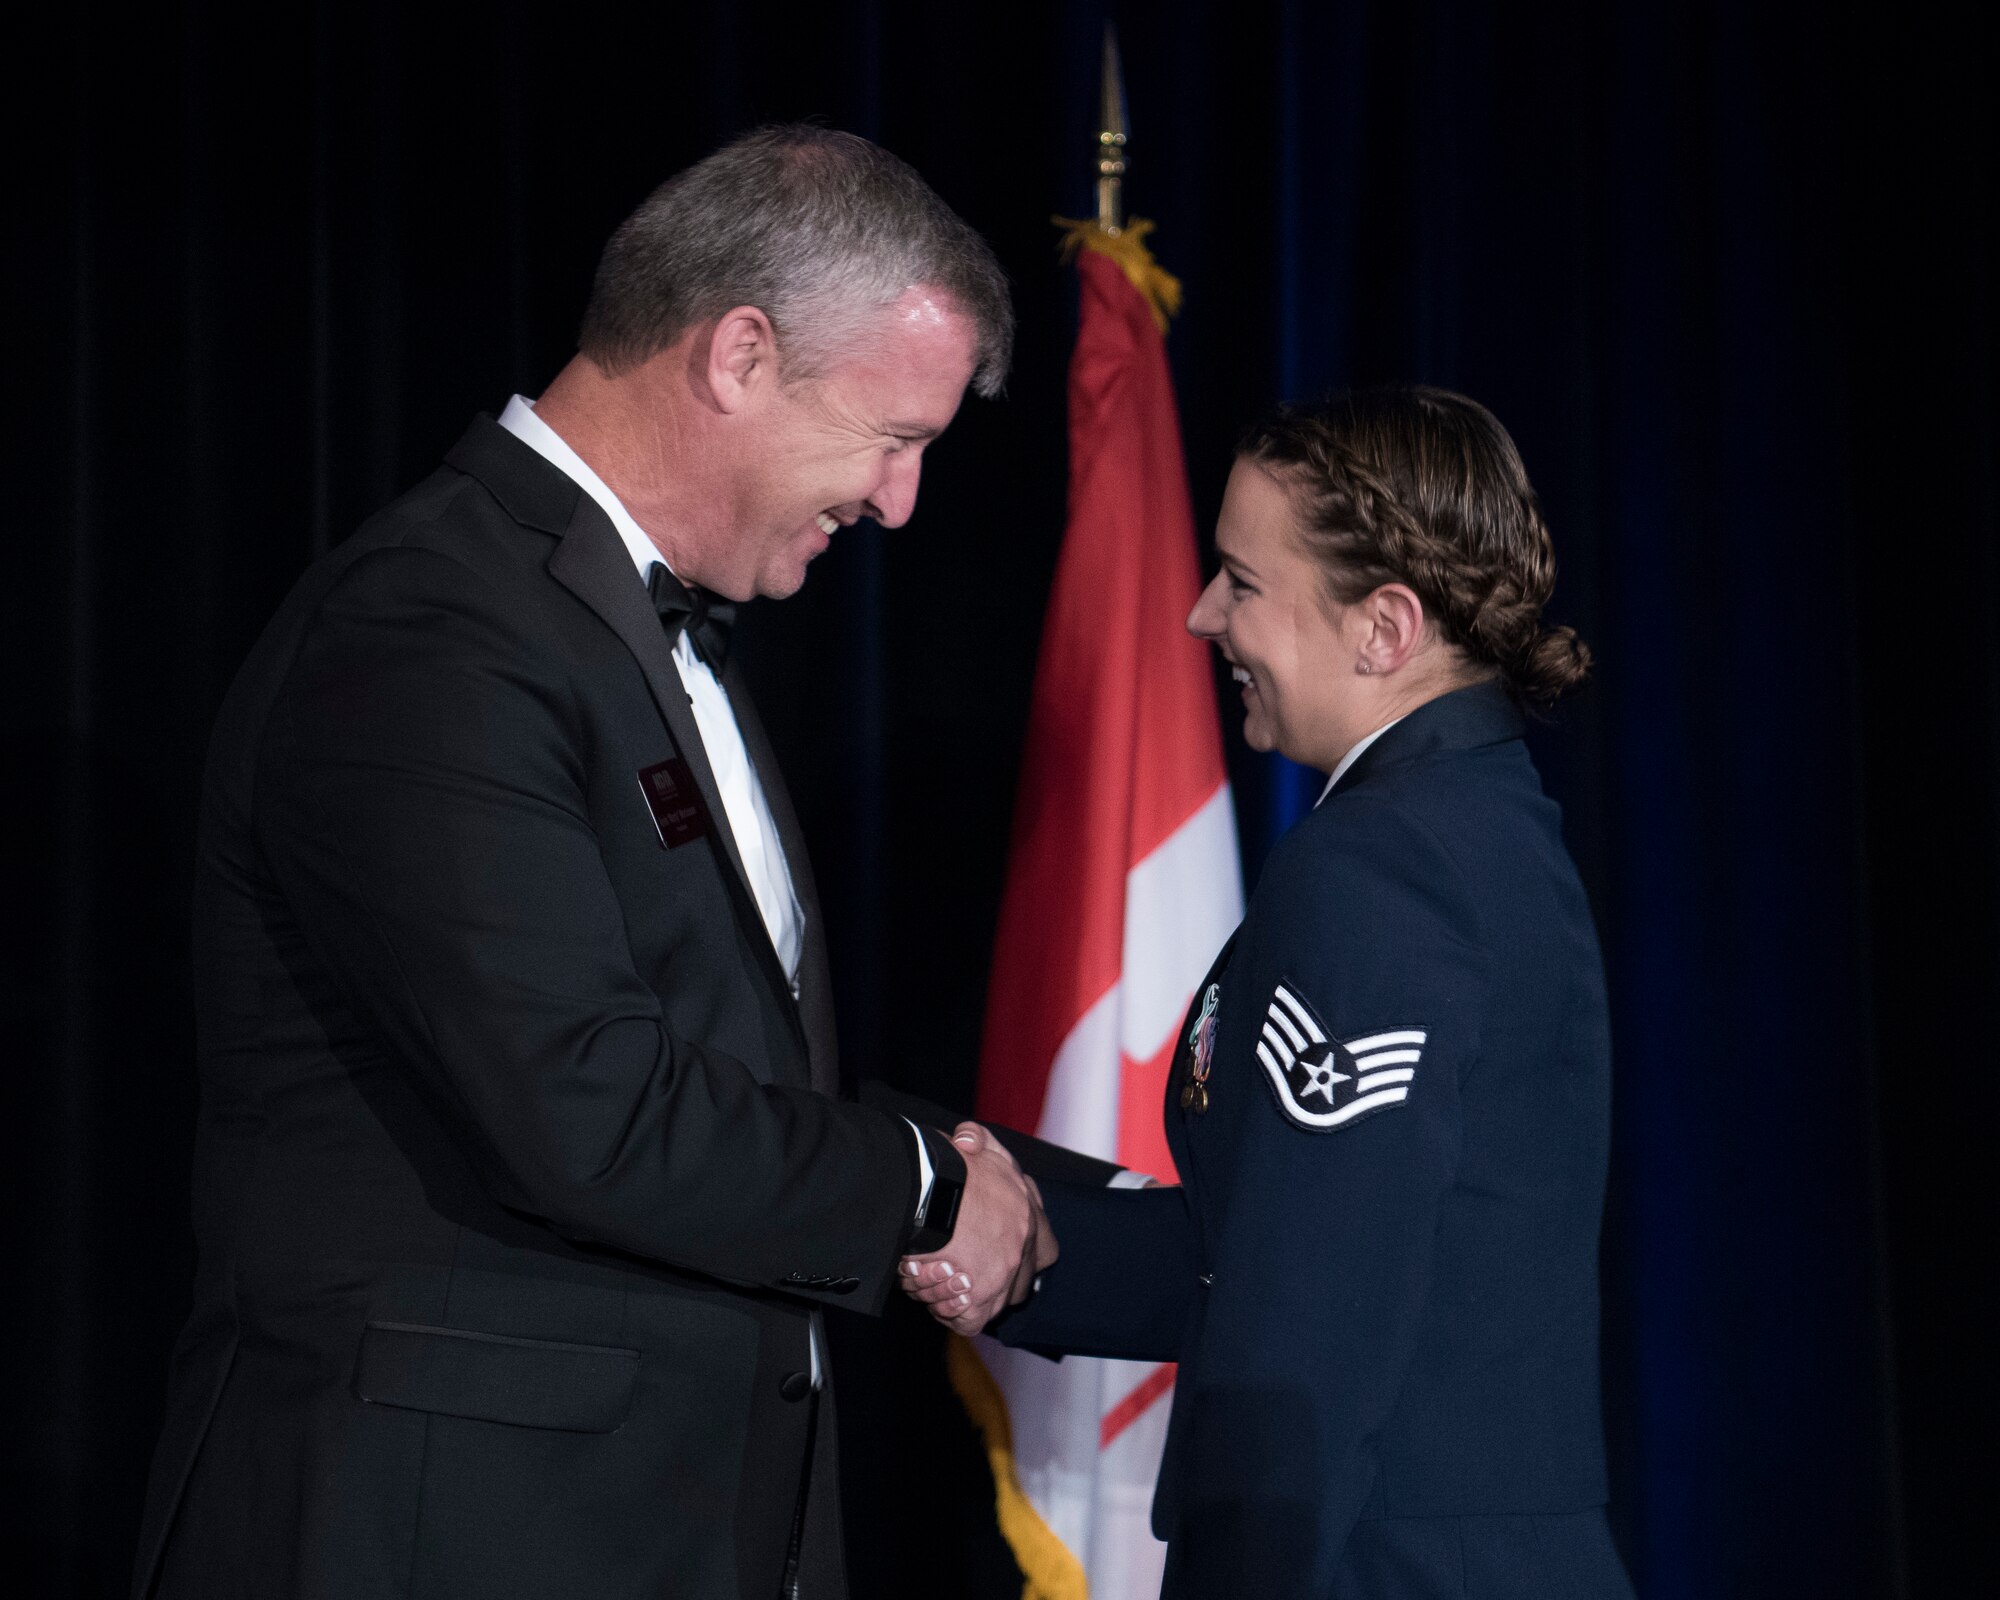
(1111,232)
(1111,140)
(1123,809)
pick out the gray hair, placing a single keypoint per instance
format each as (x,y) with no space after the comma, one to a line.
(817,229)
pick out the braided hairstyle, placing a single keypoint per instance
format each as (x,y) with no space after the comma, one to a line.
(1422,486)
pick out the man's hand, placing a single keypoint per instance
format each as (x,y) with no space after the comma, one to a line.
(997,1247)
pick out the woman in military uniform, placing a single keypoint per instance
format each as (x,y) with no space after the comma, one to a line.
(1390,1110)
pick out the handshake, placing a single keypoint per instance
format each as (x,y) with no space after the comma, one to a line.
(1001,1243)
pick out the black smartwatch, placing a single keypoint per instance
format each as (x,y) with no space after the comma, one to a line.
(934,1217)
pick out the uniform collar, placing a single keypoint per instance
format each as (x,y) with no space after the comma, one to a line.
(1465,719)
(1353,755)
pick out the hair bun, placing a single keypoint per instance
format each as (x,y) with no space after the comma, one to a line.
(1554,664)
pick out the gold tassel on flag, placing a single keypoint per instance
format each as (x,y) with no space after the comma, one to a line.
(1127,247)
(1050,1571)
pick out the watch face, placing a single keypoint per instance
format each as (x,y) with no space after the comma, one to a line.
(945,1195)
(939,1214)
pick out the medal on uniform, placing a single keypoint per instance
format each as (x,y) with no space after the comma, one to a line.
(1201,1052)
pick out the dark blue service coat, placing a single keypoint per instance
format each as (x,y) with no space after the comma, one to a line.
(1390,1113)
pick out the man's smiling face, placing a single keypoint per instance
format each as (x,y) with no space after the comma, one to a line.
(846,445)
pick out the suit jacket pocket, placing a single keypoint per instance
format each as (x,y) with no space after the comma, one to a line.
(531,1383)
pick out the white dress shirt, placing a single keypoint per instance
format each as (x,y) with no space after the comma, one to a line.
(743,799)
(748,812)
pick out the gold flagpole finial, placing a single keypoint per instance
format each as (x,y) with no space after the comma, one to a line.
(1108,233)
(1111,140)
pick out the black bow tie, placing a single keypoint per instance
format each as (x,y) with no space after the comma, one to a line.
(706,618)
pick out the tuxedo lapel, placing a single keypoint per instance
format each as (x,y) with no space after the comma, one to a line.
(598,572)
(591,561)
(815,979)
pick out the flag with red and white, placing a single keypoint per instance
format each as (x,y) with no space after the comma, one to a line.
(1122,885)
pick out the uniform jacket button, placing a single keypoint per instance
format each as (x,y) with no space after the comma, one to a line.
(1206,1279)
(796,1385)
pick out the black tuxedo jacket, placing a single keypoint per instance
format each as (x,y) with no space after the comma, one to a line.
(519,1168)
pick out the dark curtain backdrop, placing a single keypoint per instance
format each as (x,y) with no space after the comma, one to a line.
(1724,270)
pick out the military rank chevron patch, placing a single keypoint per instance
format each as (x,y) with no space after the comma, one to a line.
(1324,1083)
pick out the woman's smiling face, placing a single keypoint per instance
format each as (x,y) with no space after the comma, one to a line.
(1267,609)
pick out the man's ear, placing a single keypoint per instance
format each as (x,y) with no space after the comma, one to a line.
(1395,628)
(742,358)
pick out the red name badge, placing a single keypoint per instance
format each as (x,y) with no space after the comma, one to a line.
(671,797)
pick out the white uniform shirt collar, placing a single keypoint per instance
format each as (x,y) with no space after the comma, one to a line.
(1354,755)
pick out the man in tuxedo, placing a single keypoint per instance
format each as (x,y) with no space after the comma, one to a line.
(523,1164)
